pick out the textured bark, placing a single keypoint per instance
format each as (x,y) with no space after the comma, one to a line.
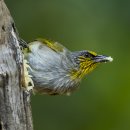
(15,113)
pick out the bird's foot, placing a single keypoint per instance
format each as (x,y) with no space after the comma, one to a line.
(28,82)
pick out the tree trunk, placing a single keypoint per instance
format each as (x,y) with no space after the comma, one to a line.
(15,110)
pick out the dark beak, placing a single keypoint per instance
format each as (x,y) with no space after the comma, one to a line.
(102,58)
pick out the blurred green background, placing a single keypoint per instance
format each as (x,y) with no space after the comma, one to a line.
(103,100)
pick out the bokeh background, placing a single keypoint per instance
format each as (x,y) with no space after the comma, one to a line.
(103,100)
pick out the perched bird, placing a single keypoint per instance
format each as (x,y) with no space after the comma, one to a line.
(55,70)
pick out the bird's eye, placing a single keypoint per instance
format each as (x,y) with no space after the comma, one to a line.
(89,55)
(86,55)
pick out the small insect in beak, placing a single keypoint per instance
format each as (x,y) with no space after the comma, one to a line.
(102,58)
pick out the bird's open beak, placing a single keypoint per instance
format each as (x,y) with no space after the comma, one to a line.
(102,58)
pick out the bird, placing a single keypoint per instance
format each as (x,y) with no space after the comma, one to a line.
(55,70)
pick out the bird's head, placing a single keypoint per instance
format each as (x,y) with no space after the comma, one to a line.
(87,61)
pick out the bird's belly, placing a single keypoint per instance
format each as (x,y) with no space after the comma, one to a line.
(53,84)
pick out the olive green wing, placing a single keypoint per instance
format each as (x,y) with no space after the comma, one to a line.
(51,44)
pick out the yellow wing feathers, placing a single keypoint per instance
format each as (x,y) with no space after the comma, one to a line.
(51,44)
